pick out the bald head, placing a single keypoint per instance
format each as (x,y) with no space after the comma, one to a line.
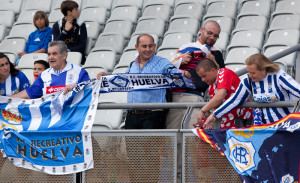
(210,32)
(212,23)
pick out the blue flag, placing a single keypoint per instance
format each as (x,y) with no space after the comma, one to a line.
(260,153)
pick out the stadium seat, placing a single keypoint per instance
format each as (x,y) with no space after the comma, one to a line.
(168,2)
(26,17)
(288,37)
(107,119)
(12,55)
(247,39)
(14,5)
(167,53)
(251,23)
(27,60)
(119,70)
(132,41)
(74,58)
(258,7)
(55,15)
(183,24)
(286,7)
(116,97)
(2,32)
(179,2)
(42,5)
(114,41)
(21,31)
(239,55)
(175,40)
(188,8)
(122,27)
(58,3)
(120,3)
(150,26)
(89,44)
(126,58)
(285,21)
(235,67)
(130,13)
(15,45)
(93,29)
(7,18)
(94,15)
(161,11)
(29,74)
(97,3)
(222,9)
(225,23)
(105,57)
(222,42)
(289,60)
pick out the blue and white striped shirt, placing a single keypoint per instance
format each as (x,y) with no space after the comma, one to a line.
(14,84)
(277,86)
(156,65)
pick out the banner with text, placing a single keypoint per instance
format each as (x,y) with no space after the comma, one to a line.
(260,153)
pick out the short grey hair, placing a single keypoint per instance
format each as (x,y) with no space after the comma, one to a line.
(62,46)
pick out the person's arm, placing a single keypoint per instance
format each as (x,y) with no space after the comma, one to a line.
(289,84)
(24,82)
(80,47)
(215,102)
(57,34)
(23,94)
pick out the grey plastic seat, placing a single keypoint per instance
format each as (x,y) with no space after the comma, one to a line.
(119,70)
(239,55)
(125,13)
(167,53)
(168,2)
(289,60)
(172,40)
(11,54)
(235,67)
(107,119)
(287,7)
(55,15)
(179,2)
(225,23)
(97,3)
(14,5)
(21,31)
(247,39)
(94,14)
(285,21)
(7,18)
(13,44)
(42,5)
(27,60)
(126,58)
(150,26)
(2,32)
(220,9)
(114,41)
(222,42)
(132,41)
(93,29)
(122,27)
(74,58)
(105,57)
(26,17)
(251,23)
(162,11)
(259,7)
(289,37)
(120,3)
(194,10)
(184,24)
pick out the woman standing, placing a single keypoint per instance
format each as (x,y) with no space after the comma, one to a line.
(266,83)
(12,80)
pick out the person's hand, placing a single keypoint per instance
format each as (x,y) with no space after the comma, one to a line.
(212,57)
(186,59)
(21,54)
(209,122)
(199,119)
(69,25)
(186,74)
(100,74)
(68,88)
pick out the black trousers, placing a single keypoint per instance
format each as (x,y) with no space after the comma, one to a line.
(153,120)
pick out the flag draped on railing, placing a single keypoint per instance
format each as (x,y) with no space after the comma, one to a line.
(260,153)
(52,134)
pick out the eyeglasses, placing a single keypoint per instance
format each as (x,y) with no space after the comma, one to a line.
(2,65)
(211,34)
